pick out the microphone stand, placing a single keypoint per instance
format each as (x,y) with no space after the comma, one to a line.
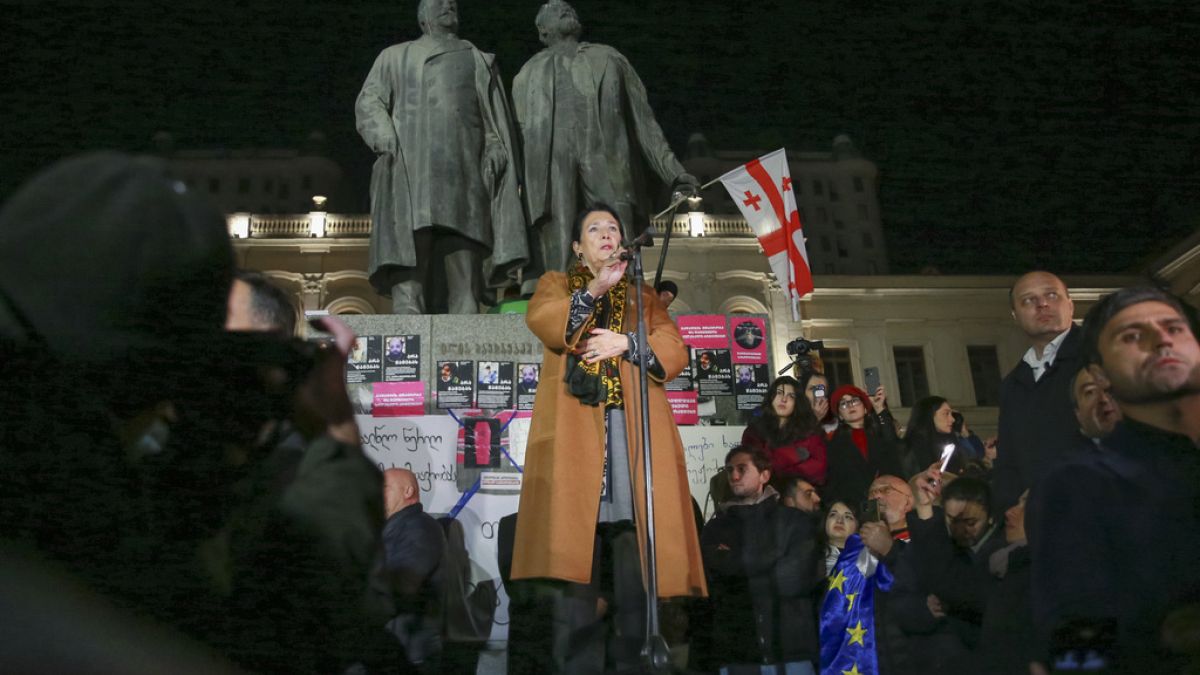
(655,652)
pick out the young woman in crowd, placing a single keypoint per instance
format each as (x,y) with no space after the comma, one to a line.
(788,431)
(816,389)
(930,430)
(840,523)
(863,446)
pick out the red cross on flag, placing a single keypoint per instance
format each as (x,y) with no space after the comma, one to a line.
(762,189)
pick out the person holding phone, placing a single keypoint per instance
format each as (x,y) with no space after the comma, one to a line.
(787,429)
(864,444)
(816,389)
(930,430)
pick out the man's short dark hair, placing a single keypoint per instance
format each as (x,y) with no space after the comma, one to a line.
(791,484)
(968,490)
(269,302)
(758,457)
(668,286)
(1112,304)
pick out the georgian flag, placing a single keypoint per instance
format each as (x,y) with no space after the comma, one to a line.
(762,189)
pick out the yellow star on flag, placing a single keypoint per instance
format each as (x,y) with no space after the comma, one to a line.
(853,671)
(851,597)
(836,581)
(856,635)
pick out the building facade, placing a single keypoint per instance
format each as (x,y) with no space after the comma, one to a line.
(263,181)
(952,336)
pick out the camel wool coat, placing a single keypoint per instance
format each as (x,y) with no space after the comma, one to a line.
(564,458)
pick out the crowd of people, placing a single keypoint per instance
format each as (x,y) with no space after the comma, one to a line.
(1064,544)
(182,486)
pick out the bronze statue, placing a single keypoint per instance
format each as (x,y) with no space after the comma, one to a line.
(588,132)
(444,186)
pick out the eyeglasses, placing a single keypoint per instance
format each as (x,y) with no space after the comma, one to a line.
(849,403)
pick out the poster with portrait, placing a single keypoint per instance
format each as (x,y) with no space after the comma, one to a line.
(713,372)
(750,384)
(402,358)
(495,379)
(527,384)
(365,363)
(454,382)
(749,340)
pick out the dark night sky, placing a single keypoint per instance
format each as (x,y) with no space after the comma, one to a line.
(1012,134)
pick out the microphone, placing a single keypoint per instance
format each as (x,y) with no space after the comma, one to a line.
(643,240)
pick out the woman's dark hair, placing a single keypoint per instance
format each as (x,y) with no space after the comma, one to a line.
(921,435)
(969,490)
(800,424)
(577,226)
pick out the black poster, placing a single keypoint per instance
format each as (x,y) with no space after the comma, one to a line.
(714,376)
(454,383)
(495,385)
(751,381)
(365,363)
(402,358)
(527,383)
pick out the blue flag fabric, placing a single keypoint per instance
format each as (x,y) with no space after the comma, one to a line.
(848,612)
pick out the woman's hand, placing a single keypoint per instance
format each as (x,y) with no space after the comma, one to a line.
(608,276)
(603,344)
(821,408)
(879,399)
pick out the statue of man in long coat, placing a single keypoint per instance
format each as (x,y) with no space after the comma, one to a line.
(588,133)
(444,186)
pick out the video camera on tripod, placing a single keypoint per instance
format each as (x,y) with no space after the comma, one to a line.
(801,351)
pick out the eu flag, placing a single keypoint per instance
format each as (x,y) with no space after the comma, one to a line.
(848,612)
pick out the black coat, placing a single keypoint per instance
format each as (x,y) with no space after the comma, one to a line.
(849,474)
(1114,537)
(1037,427)
(414,553)
(761,562)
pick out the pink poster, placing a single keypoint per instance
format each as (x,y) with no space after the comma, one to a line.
(749,340)
(684,406)
(704,331)
(398,399)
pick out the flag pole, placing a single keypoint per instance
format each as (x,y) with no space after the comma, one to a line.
(681,198)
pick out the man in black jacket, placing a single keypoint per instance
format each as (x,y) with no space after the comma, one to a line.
(1037,426)
(762,566)
(414,548)
(1114,544)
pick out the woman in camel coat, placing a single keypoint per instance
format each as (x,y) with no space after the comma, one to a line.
(589,393)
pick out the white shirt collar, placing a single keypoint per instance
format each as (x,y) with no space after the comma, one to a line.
(1039,366)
